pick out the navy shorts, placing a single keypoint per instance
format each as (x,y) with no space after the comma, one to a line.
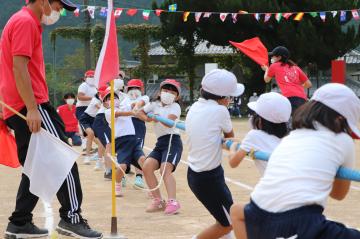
(161,148)
(210,189)
(296,102)
(101,129)
(140,130)
(80,111)
(128,151)
(306,222)
(86,121)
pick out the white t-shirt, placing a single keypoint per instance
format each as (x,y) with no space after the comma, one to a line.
(205,123)
(93,107)
(123,124)
(164,111)
(144,98)
(101,110)
(88,90)
(259,140)
(301,170)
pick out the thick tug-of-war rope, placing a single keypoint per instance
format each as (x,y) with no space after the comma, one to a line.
(342,173)
(113,159)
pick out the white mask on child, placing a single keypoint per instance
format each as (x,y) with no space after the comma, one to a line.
(167,98)
(134,94)
(70,101)
(118,84)
(90,81)
(52,19)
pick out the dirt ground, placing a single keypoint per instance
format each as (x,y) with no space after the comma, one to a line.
(134,223)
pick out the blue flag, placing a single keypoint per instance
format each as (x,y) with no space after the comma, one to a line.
(103,12)
(342,16)
(173,7)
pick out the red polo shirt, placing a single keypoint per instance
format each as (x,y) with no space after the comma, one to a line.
(69,118)
(22,37)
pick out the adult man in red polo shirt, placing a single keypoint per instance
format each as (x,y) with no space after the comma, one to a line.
(23,87)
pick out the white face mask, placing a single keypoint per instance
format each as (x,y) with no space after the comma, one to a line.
(274,60)
(52,19)
(118,84)
(167,98)
(134,94)
(70,101)
(90,81)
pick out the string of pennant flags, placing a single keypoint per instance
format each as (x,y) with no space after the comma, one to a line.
(265,17)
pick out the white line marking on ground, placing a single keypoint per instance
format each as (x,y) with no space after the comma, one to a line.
(49,216)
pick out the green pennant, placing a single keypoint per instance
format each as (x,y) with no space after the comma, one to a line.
(278,17)
(313,14)
(63,12)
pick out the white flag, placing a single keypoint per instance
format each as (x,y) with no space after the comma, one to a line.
(223,16)
(198,16)
(118,12)
(48,163)
(91,10)
(334,13)
(207,14)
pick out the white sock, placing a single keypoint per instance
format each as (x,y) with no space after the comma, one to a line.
(194,237)
(228,236)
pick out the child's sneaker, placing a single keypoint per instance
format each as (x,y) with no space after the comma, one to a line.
(98,166)
(108,175)
(118,190)
(95,157)
(172,207)
(139,182)
(156,205)
(86,160)
(123,182)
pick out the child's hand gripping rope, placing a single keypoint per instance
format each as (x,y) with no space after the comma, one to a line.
(342,173)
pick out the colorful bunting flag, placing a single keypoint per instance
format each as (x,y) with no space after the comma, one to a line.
(334,13)
(118,12)
(173,7)
(158,12)
(355,14)
(91,10)
(287,15)
(77,12)
(185,16)
(63,12)
(198,16)
(146,14)
(257,16)
(131,12)
(313,14)
(299,16)
(223,16)
(267,17)
(278,17)
(342,16)
(323,16)
(207,14)
(103,12)
(234,17)
(243,12)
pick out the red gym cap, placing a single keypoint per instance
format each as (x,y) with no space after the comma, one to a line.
(135,83)
(90,73)
(173,83)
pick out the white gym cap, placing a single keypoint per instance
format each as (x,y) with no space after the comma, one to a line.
(222,83)
(343,100)
(273,107)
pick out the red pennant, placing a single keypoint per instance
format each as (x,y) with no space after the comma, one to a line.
(131,12)
(254,49)
(8,149)
(158,12)
(287,15)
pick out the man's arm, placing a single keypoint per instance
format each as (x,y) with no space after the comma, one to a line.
(24,87)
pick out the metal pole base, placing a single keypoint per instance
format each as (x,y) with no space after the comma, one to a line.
(114,234)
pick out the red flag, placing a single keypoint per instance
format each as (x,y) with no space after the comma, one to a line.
(158,12)
(107,67)
(131,12)
(254,49)
(8,150)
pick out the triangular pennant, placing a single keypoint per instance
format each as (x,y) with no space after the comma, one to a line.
(313,14)
(234,17)
(103,12)
(323,16)
(342,16)
(91,10)
(257,16)
(185,16)
(158,12)
(299,16)
(267,17)
(278,17)
(223,16)
(355,14)
(287,15)
(207,14)
(131,12)
(77,12)
(63,12)
(118,12)
(198,16)
(173,7)
(243,12)
(146,14)
(334,13)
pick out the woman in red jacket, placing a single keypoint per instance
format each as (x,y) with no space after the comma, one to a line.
(291,80)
